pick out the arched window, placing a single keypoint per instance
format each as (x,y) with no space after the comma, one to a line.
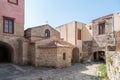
(47,33)
(64,56)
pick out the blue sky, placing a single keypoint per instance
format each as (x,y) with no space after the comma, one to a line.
(58,12)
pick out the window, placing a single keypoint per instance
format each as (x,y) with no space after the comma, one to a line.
(8,25)
(102,28)
(13,1)
(47,33)
(64,56)
(79,34)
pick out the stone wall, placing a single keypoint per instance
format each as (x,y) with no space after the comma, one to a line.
(113,65)
(68,55)
(100,40)
(12,43)
(87,49)
(113,60)
(31,53)
(23,51)
(18,48)
(37,33)
(46,57)
(86,46)
(53,57)
(99,43)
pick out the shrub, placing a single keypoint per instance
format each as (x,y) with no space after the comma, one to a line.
(103,72)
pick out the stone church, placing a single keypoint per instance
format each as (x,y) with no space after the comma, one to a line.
(37,46)
(45,46)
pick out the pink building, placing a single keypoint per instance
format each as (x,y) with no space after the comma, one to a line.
(11,30)
(12,17)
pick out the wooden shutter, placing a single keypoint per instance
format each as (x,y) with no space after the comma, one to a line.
(79,34)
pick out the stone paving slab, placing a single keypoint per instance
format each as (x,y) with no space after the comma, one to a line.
(4,73)
(78,71)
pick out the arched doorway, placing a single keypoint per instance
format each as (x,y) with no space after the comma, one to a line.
(6,52)
(75,55)
(99,56)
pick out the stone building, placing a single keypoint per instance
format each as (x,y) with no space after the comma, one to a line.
(11,29)
(38,46)
(113,60)
(78,34)
(104,29)
(60,47)
(46,48)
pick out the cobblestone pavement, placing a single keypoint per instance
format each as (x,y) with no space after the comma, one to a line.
(85,71)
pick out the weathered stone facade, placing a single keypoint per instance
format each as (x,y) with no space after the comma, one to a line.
(48,51)
(15,48)
(43,46)
(113,65)
(53,57)
(38,33)
(30,46)
(100,40)
(108,42)
(37,50)
(113,60)
(10,45)
(87,49)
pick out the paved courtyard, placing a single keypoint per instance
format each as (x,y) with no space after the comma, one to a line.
(85,71)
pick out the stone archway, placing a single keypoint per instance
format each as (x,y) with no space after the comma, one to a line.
(99,56)
(6,53)
(75,55)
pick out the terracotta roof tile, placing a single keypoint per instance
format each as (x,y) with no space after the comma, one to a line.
(57,43)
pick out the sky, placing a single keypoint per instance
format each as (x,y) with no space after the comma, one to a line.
(58,12)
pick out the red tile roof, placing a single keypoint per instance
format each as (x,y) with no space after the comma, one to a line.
(56,43)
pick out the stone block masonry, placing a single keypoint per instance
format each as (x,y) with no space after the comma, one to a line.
(113,65)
